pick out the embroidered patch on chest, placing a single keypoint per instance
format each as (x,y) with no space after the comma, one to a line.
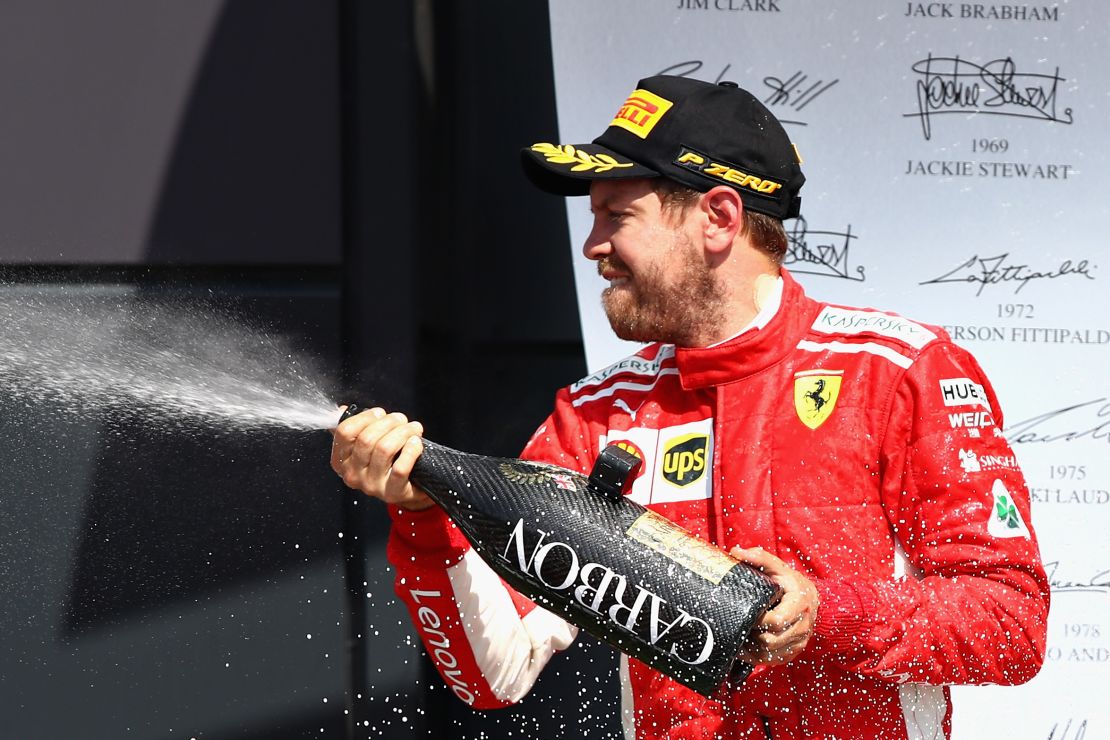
(815,394)
(678,461)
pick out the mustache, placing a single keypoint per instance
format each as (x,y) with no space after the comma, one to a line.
(615,263)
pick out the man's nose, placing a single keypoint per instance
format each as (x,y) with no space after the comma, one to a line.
(597,244)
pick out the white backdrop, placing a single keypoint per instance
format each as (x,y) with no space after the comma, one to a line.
(956,164)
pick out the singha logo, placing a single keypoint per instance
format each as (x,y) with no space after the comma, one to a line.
(969,461)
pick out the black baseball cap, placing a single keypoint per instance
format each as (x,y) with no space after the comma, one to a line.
(697,133)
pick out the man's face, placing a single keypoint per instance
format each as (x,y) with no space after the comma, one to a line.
(660,287)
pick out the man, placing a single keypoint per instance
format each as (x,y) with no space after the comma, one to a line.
(822,452)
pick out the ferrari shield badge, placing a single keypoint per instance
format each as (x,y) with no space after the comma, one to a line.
(815,394)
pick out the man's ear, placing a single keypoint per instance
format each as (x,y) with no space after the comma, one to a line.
(724,211)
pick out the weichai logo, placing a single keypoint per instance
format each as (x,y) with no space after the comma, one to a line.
(640,112)
(684,459)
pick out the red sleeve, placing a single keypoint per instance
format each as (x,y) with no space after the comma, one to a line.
(488,642)
(972,606)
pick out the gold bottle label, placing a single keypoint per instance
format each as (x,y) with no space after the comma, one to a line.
(675,543)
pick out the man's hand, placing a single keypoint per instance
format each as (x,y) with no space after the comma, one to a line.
(785,629)
(374,452)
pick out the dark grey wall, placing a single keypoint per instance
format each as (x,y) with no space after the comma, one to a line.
(201,132)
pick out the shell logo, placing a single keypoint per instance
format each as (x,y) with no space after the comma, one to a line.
(631,447)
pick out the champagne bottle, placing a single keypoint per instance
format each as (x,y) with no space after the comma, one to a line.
(578,547)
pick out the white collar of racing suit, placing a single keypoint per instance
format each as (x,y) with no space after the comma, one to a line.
(768,297)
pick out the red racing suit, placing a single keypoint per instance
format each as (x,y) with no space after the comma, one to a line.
(863,449)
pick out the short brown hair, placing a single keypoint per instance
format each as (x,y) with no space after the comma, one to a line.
(767,232)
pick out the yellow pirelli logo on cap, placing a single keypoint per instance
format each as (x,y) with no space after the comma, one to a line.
(641,112)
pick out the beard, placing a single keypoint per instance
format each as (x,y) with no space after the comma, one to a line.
(681,306)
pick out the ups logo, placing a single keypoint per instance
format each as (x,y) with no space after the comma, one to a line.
(684,459)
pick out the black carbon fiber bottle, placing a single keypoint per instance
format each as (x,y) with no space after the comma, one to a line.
(579,548)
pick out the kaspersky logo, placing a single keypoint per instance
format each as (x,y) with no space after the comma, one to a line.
(684,459)
(640,113)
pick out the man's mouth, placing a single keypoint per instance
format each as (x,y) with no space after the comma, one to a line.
(616,279)
(614,275)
